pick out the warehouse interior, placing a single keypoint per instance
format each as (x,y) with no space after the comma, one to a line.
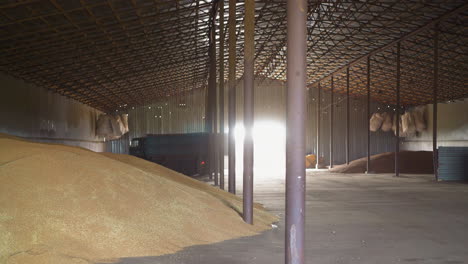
(326,131)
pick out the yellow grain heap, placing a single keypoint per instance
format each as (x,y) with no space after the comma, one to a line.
(62,204)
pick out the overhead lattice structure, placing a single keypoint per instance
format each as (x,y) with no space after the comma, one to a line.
(107,53)
(342,34)
(112,53)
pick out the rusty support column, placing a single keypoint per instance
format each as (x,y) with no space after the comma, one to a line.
(347,115)
(331,121)
(368,114)
(221,94)
(296,119)
(318,127)
(212,101)
(232,98)
(249,54)
(397,112)
(209,109)
(435,94)
(215,106)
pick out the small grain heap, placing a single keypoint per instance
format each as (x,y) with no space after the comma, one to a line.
(411,162)
(61,204)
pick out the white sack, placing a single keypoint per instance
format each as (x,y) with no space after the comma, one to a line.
(375,122)
(124,119)
(116,130)
(419,116)
(387,121)
(121,125)
(402,133)
(407,123)
(103,126)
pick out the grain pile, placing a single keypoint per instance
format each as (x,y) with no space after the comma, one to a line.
(412,162)
(61,204)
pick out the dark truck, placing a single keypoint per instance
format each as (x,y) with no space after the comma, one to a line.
(184,153)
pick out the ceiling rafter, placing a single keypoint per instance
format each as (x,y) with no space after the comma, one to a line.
(110,53)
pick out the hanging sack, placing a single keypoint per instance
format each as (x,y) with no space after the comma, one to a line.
(116,128)
(103,126)
(375,122)
(124,119)
(387,121)
(407,123)
(419,116)
(402,134)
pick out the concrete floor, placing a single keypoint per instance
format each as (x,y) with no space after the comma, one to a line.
(353,218)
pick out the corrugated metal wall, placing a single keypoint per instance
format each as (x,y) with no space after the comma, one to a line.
(181,114)
(269,100)
(453,163)
(37,114)
(452,127)
(380,141)
(186,114)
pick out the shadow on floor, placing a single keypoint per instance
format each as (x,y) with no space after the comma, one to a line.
(353,219)
(268,249)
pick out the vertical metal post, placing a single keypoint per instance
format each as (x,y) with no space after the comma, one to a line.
(232,97)
(221,94)
(331,120)
(212,101)
(295,144)
(197,11)
(368,114)
(215,112)
(435,94)
(347,115)
(249,53)
(318,126)
(209,116)
(397,112)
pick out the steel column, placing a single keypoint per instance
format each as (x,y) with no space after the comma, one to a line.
(434,114)
(331,120)
(232,98)
(397,112)
(368,114)
(211,98)
(221,94)
(296,119)
(249,53)
(215,106)
(347,115)
(318,127)
(214,102)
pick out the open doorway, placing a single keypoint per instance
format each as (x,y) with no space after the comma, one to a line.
(269,149)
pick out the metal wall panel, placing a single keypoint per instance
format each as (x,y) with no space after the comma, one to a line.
(269,100)
(380,141)
(453,163)
(172,116)
(40,115)
(452,127)
(178,114)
